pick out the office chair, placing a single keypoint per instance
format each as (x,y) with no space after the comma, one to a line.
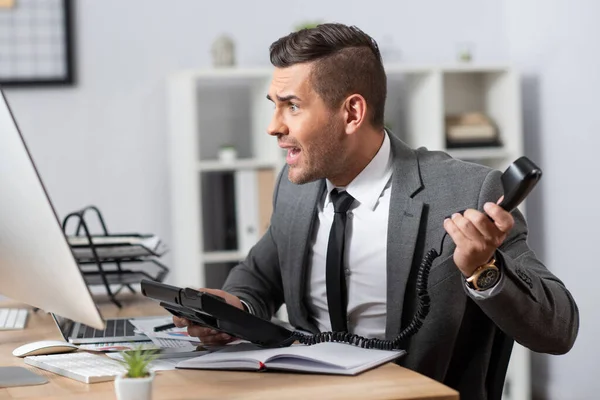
(501,352)
(474,320)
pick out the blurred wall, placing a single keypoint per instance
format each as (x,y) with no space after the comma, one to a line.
(104,140)
(555,43)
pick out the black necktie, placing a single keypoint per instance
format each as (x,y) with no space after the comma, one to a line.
(336,279)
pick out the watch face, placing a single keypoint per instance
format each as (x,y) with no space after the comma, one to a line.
(487,278)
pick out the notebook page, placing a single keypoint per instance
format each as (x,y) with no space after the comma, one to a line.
(242,355)
(323,357)
(341,355)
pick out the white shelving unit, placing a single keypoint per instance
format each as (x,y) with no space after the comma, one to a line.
(215,107)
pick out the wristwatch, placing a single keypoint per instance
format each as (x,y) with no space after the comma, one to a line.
(484,277)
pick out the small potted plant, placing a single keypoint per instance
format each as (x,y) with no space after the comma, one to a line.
(227,153)
(307,25)
(136,382)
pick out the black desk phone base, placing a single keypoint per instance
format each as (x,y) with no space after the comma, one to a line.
(212,311)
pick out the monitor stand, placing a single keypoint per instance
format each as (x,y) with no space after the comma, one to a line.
(19,376)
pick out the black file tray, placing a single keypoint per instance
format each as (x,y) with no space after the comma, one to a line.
(101,257)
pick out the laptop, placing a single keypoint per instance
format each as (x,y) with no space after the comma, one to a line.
(37,265)
(116,330)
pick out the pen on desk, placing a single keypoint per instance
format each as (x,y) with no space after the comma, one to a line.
(164,327)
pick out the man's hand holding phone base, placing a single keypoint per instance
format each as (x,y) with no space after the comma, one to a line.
(210,336)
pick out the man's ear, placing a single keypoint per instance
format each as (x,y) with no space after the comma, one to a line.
(355,112)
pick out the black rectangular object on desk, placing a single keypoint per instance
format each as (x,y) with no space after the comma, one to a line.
(212,311)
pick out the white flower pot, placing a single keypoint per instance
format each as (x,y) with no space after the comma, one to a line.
(134,388)
(227,154)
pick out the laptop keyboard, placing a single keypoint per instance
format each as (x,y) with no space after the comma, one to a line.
(114,328)
(13,318)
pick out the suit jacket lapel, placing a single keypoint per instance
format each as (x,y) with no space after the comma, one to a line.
(303,219)
(403,231)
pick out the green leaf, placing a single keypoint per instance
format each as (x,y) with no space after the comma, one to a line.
(136,361)
(307,25)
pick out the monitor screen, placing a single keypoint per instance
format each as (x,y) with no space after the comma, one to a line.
(37,266)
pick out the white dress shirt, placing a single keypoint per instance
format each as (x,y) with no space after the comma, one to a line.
(365,258)
(365,250)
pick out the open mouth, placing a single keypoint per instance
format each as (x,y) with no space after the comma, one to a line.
(292,155)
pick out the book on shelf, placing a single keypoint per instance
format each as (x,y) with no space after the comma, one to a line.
(218,211)
(323,358)
(266,184)
(236,208)
(246,208)
(253,204)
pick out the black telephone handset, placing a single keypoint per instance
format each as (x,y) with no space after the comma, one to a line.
(205,309)
(518,180)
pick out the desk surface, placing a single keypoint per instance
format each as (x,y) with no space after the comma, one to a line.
(389,381)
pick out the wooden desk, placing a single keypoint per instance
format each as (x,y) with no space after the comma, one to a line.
(386,382)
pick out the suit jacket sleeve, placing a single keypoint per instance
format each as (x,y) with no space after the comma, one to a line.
(257,280)
(532,305)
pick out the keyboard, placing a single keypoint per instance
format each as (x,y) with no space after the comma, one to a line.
(81,366)
(114,328)
(13,318)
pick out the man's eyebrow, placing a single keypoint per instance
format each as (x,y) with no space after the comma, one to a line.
(282,99)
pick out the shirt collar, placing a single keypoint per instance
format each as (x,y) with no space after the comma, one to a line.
(368,186)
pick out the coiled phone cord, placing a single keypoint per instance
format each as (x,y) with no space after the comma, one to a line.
(413,327)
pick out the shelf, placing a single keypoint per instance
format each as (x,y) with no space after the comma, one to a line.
(224,74)
(212,107)
(475,68)
(479,153)
(401,69)
(126,277)
(248,163)
(224,77)
(214,257)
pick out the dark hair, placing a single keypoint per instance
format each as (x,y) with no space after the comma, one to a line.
(346,60)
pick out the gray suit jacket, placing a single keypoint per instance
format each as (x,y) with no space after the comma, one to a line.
(454,345)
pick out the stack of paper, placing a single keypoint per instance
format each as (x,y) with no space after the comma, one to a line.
(170,338)
(117,246)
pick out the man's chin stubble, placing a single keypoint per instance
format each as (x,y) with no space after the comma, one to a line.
(301,179)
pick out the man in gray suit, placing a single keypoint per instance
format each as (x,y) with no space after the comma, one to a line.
(355,210)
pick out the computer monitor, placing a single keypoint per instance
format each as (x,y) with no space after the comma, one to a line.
(37,266)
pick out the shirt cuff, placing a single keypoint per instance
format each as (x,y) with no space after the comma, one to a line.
(247,307)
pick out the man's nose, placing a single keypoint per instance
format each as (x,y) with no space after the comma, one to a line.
(276,126)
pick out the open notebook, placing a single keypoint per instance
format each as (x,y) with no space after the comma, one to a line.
(326,358)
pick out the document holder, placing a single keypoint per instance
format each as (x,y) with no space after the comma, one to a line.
(101,257)
(212,311)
